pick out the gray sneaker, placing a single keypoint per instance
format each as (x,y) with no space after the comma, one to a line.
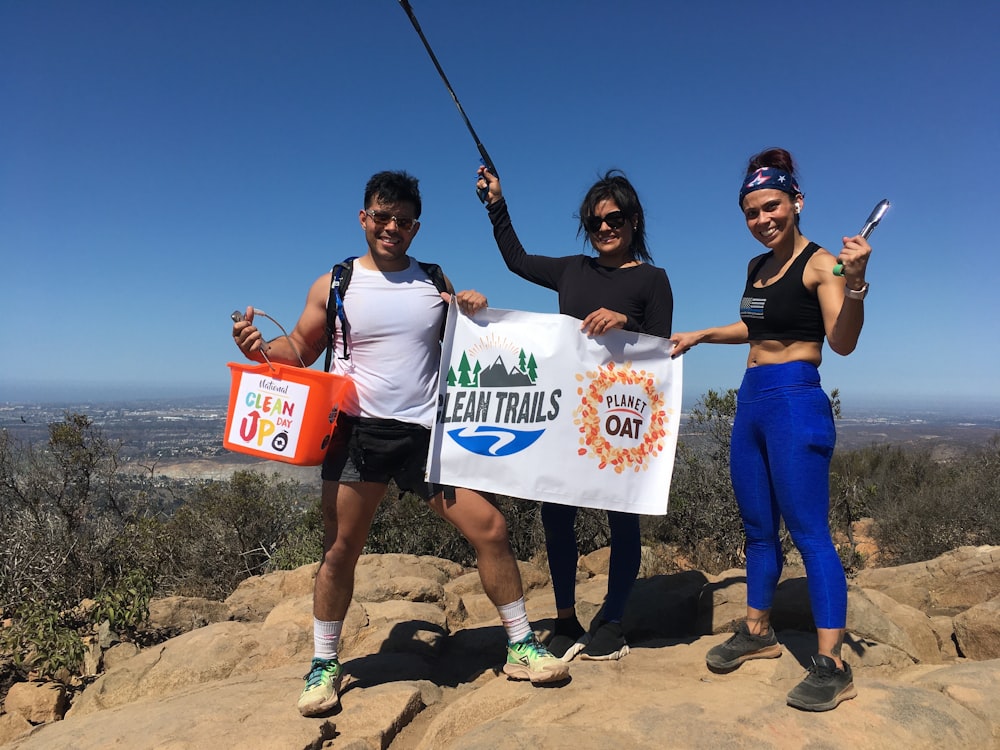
(742,647)
(824,688)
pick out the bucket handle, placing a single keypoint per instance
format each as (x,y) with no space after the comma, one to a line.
(237,316)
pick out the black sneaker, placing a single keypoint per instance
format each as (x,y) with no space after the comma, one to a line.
(568,638)
(742,647)
(824,688)
(607,643)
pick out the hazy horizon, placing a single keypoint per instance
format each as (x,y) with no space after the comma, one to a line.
(80,394)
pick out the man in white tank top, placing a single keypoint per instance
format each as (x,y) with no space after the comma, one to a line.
(395,315)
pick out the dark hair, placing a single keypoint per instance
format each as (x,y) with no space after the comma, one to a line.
(615,186)
(775,158)
(393,187)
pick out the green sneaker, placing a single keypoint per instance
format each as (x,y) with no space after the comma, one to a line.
(530,660)
(322,685)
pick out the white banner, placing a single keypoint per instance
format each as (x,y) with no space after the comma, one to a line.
(530,407)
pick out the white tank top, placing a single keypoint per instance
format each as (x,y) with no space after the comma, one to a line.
(395,323)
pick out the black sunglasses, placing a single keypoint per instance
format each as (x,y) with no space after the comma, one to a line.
(615,220)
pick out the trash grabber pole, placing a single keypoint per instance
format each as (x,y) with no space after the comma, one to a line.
(487,161)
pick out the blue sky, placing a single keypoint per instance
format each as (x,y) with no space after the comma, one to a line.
(162,163)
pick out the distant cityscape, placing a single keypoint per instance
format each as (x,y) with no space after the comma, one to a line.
(182,438)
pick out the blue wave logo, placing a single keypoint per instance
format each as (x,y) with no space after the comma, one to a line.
(494,441)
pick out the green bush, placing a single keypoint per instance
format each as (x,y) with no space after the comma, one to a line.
(44,641)
(226,531)
(303,544)
(75,526)
(922,508)
(125,603)
(63,505)
(702,518)
(405,524)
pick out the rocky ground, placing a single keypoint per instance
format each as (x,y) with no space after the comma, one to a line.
(423,646)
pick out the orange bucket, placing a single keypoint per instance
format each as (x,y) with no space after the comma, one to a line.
(282,412)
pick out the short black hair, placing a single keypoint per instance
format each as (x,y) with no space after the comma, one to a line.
(393,187)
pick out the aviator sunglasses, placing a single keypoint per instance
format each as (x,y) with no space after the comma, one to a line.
(384,217)
(615,220)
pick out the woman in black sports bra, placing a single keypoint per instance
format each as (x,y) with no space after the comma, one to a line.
(783,433)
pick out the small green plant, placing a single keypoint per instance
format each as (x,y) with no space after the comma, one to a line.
(125,604)
(43,640)
(835,404)
(851,559)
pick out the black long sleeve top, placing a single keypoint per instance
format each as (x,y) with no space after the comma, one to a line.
(641,293)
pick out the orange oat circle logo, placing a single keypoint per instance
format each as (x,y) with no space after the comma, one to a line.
(621,417)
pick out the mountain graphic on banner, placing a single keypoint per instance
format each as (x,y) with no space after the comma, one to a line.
(497,376)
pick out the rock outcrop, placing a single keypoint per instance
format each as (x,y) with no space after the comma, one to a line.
(422,649)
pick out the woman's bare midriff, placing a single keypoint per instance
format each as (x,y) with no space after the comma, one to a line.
(780,352)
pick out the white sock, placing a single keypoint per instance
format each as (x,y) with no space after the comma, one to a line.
(515,620)
(326,638)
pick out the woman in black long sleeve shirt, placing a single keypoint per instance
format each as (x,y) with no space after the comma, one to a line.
(619,288)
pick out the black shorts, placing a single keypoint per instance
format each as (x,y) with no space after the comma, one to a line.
(376,450)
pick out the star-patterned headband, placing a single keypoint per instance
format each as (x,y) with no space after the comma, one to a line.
(769,178)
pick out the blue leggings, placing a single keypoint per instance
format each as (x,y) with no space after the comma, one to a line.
(783,438)
(560,543)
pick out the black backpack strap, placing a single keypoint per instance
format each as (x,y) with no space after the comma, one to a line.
(340,277)
(441,283)
(433,270)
